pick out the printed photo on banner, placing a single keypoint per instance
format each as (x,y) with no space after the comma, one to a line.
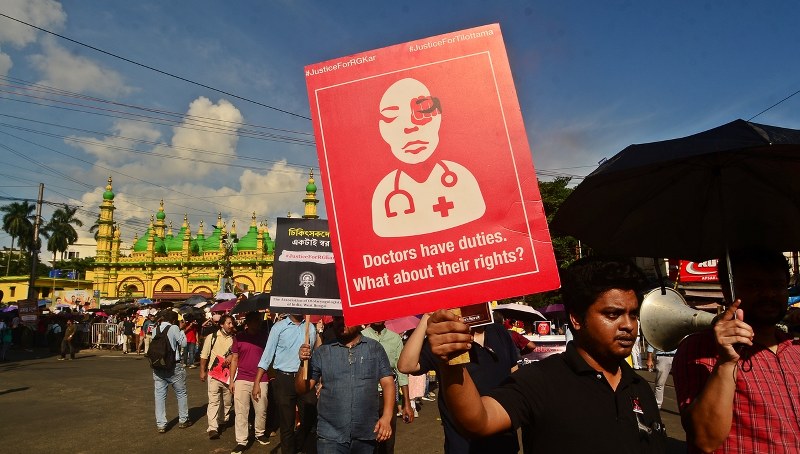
(429,183)
(304,272)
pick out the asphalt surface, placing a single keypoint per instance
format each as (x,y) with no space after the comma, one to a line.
(102,402)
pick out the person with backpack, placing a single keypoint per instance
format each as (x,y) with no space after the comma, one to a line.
(164,358)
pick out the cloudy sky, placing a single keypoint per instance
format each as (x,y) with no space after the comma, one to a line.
(592,78)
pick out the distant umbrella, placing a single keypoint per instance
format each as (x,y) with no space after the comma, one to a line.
(252,304)
(402,324)
(324,318)
(191,313)
(554,309)
(196,299)
(519,312)
(144,301)
(223,306)
(224,296)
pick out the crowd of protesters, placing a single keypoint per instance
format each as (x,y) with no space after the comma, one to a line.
(333,388)
(257,364)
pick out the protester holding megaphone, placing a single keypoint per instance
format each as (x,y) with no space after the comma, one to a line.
(587,399)
(737,385)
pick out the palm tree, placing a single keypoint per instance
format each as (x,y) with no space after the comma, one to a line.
(95,228)
(60,232)
(17,223)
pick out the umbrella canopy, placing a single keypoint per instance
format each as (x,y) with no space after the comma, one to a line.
(121,308)
(196,299)
(402,324)
(144,301)
(325,318)
(734,186)
(190,312)
(224,296)
(554,309)
(252,304)
(519,312)
(223,306)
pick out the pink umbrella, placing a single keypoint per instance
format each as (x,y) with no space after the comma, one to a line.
(224,306)
(402,324)
(325,318)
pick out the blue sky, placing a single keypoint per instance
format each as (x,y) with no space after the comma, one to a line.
(592,78)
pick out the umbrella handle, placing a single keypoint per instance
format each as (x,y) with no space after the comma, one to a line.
(307,338)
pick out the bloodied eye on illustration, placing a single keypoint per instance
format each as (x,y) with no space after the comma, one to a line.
(424,108)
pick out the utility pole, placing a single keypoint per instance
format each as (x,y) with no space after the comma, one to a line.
(35,249)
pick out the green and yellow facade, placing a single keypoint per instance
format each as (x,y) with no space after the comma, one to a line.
(164,264)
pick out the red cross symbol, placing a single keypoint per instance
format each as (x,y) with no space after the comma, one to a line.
(443,207)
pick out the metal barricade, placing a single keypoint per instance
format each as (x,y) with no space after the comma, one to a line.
(105,335)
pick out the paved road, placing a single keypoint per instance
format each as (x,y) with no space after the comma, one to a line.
(102,402)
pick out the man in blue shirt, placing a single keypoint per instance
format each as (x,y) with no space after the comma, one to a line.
(283,343)
(175,377)
(350,370)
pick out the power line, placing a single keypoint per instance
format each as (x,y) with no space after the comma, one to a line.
(155,69)
(23,84)
(300,168)
(774,105)
(173,123)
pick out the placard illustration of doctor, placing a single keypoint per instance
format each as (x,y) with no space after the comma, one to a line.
(424,194)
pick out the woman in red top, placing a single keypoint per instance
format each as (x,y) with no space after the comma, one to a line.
(190,354)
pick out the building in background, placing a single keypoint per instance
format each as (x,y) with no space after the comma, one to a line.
(164,264)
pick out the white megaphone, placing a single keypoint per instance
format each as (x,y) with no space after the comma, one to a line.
(666,319)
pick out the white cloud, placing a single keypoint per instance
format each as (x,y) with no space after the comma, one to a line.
(67,71)
(5,64)
(187,186)
(202,132)
(103,149)
(198,137)
(46,14)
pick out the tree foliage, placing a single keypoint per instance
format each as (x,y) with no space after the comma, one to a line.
(553,195)
(60,232)
(81,265)
(18,220)
(565,247)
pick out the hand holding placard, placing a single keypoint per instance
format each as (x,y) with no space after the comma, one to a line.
(450,339)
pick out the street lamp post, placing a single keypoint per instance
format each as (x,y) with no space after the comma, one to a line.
(228,241)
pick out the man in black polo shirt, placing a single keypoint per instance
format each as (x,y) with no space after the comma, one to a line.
(587,399)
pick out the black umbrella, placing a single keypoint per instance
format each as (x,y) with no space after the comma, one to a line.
(195,299)
(252,304)
(122,308)
(734,186)
(190,312)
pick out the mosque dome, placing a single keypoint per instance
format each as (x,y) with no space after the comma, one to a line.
(109,194)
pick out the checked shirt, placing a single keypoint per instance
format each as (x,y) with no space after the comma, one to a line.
(766,403)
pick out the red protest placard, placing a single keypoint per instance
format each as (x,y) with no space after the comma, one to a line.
(429,185)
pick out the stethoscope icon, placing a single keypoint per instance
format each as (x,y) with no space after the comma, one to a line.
(448,179)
